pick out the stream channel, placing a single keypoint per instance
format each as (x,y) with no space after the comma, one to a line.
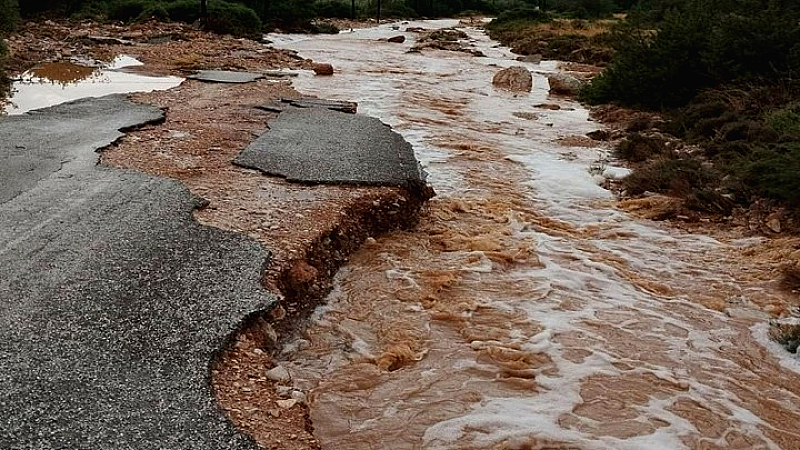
(526,310)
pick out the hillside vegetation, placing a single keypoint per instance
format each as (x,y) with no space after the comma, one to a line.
(724,73)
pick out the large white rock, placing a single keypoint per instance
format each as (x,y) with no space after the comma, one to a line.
(562,83)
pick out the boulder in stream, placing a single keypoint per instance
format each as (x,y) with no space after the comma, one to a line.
(562,83)
(514,79)
(323,69)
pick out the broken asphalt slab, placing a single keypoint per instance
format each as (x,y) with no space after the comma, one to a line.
(113,300)
(334,105)
(226,76)
(319,145)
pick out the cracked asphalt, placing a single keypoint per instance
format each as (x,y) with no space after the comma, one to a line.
(113,300)
(319,145)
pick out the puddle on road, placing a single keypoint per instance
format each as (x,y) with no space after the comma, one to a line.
(53,83)
(526,311)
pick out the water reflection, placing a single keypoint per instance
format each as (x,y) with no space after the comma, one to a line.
(63,73)
(53,83)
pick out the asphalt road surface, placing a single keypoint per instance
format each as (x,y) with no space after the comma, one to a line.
(318,145)
(113,300)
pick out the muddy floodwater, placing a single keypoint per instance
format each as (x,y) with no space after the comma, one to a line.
(52,83)
(526,310)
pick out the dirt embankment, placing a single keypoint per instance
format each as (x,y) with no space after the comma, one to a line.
(310,230)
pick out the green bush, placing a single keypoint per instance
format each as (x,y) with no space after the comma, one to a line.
(786,120)
(679,177)
(233,18)
(155,11)
(332,8)
(9,15)
(703,44)
(584,9)
(517,18)
(128,10)
(290,15)
(92,10)
(637,147)
(656,69)
(223,17)
(773,173)
(187,11)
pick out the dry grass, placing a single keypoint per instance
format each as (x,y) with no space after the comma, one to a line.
(563,27)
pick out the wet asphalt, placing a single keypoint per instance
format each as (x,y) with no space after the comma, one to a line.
(113,300)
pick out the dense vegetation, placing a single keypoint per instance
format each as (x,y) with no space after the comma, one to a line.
(248,16)
(724,72)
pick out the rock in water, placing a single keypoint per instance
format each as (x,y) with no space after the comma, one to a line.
(323,69)
(562,83)
(398,39)
(514,79)
(535,58)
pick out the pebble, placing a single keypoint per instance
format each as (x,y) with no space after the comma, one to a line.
(300,396)
(283,391)
(278,373)
(286,404)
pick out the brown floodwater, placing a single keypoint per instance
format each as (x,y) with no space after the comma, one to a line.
(526,311)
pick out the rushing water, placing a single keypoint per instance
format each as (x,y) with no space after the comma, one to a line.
(526,311)
(53,83)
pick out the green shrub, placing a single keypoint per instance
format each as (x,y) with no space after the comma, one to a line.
(332,8)
(187,11)
(223,17)
(584,9)
(773,173)
(155,11)
(233,18)
(128,10)
(703,44)
(637,147)
(679,177)
(9,15)
(786,120)
(290,15)
(92,10)
(656,69)
(518,17)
